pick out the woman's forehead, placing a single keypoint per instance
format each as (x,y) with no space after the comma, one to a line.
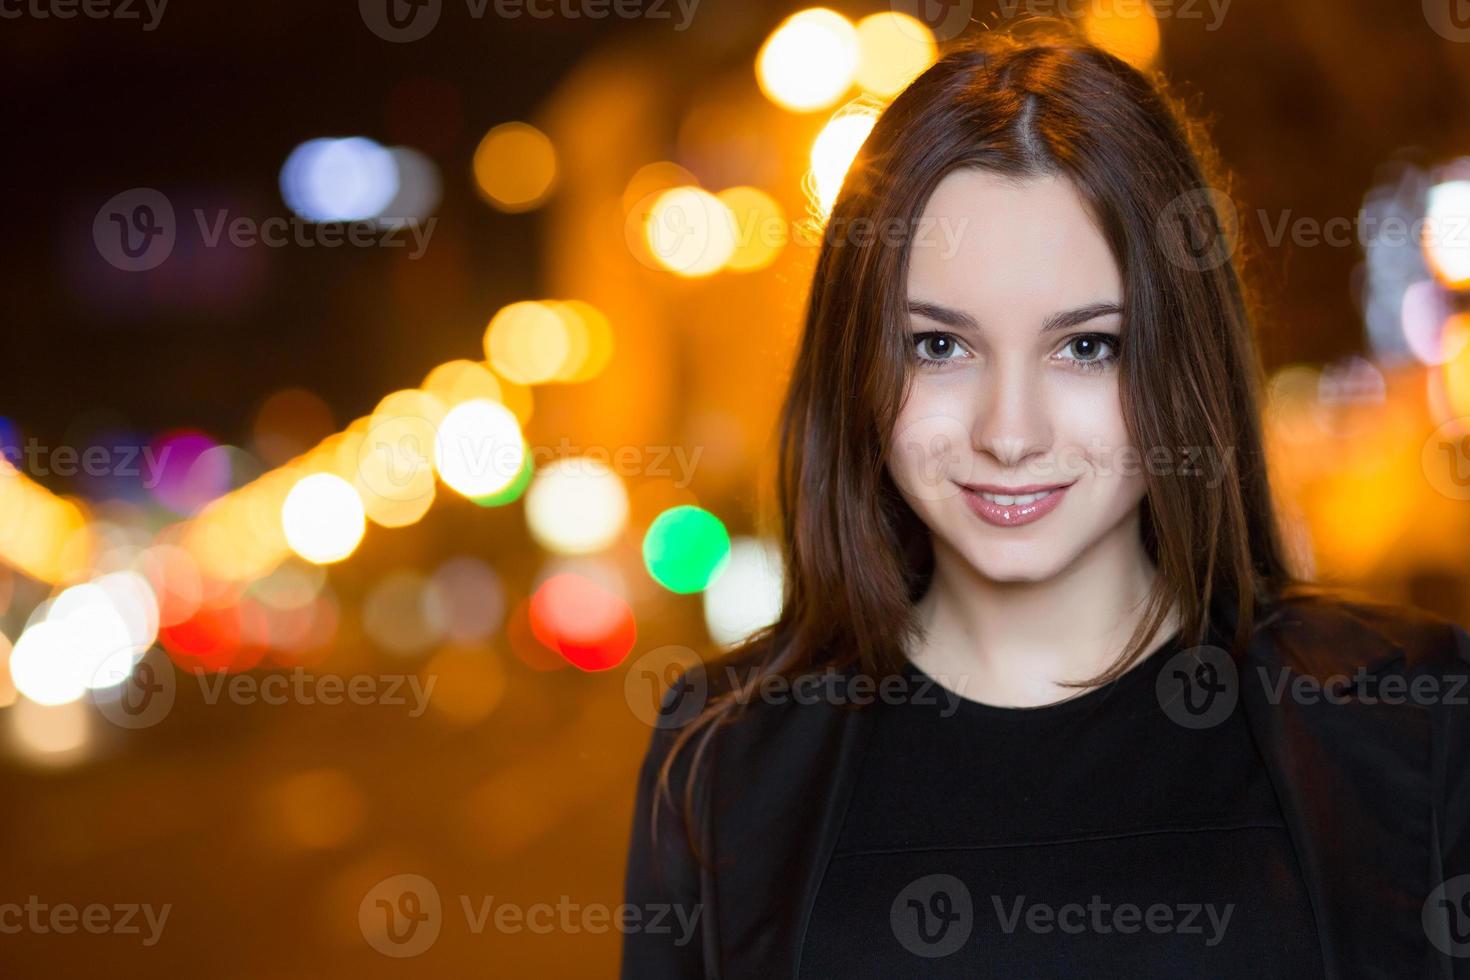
(1019,251)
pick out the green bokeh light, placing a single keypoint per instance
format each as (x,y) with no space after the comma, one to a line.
(513,490)
(686,548)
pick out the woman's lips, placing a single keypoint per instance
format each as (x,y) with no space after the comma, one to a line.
(1013,508)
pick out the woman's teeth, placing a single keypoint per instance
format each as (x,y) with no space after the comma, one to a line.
(1006,500)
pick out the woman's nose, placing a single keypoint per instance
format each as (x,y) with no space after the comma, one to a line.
(1012,421)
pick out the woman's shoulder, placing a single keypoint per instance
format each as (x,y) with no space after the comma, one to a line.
(749,703)
(1334,631)
(705,682)
(723,674)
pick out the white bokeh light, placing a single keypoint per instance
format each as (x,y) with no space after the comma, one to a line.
(809,60)
(576,506)
(47,665)
(323,518)
(747,595)
(479,449)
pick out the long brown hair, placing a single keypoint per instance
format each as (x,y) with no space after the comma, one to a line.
(1025,102)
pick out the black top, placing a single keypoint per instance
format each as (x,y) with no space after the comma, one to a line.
(1094,837)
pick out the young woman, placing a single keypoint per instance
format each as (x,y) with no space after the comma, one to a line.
(1044,699)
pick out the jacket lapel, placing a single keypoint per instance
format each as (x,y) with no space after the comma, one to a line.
(776,832)
(1352,777)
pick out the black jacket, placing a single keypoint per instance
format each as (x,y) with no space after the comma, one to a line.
(1374,784)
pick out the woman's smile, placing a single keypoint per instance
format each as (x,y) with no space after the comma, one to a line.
(1013,509)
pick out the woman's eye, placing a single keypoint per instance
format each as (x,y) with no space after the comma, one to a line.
(1091,351)
(936,348)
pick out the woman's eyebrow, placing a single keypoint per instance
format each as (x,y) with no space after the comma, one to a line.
(960,320)
(1082,314)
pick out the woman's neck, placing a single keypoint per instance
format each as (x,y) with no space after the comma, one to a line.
(1016,643)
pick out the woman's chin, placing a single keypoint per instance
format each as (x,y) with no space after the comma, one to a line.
(1020,569)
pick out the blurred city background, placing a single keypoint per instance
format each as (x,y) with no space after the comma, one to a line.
(390,392)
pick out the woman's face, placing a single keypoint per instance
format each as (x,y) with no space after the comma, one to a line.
(1008,444)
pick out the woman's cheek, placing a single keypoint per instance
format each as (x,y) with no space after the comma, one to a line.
(931,448)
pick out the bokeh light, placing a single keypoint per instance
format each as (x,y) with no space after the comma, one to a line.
(294,585)
(350,179)
(8,693)
(50,735)
(1446,245)
(528,342)
(46,664)
(1455,371)
(459,381)
(834,149)
(686,548)
(809,60)
(747,595)
(760,227)
(323,518)
(576,506)
(592,627)
(45,536)
(395,613)
(513,490)
(515,167)
(112,622)
(590,340)
(419,189)
(479,448)
(394,472)
(173,577)
(652,179)
(464,600)
(893,49)
(223,637)
(1426,311)
(690,232)
(1128,30)
(190,473)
